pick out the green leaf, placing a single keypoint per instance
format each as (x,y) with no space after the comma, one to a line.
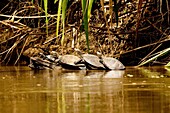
(58,17)
(85,20)
(64,7)
(89,8)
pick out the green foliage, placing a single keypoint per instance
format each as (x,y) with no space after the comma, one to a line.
(64,7)
(85,20)
(89,8)
(58,17)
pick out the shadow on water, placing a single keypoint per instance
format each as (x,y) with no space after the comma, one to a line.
(134,90)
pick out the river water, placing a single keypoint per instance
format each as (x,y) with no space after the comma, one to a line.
(134,90)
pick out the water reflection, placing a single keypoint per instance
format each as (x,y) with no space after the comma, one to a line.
(135,90)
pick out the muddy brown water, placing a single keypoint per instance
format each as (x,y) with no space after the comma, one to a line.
(134,90)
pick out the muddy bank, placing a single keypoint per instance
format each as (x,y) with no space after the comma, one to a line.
(140,32)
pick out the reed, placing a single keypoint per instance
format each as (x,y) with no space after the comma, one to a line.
(155,56)
(58,17)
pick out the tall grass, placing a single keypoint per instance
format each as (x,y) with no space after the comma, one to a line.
(89,8)
(64,8)
(58,17)
(85,20)
(86,10)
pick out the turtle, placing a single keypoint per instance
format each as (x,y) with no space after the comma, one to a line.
(51,57)
(39,63)
(112,63)
(91,61)
(69,62)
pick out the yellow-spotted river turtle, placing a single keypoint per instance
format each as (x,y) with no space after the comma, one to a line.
(112,63)
(91,61)
(70,62)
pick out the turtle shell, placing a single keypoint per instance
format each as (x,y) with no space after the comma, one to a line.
(112,63)
(69,62)
(92,61)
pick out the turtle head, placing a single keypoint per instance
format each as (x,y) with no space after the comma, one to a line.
(54,54)
(78,51)
(99,54)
